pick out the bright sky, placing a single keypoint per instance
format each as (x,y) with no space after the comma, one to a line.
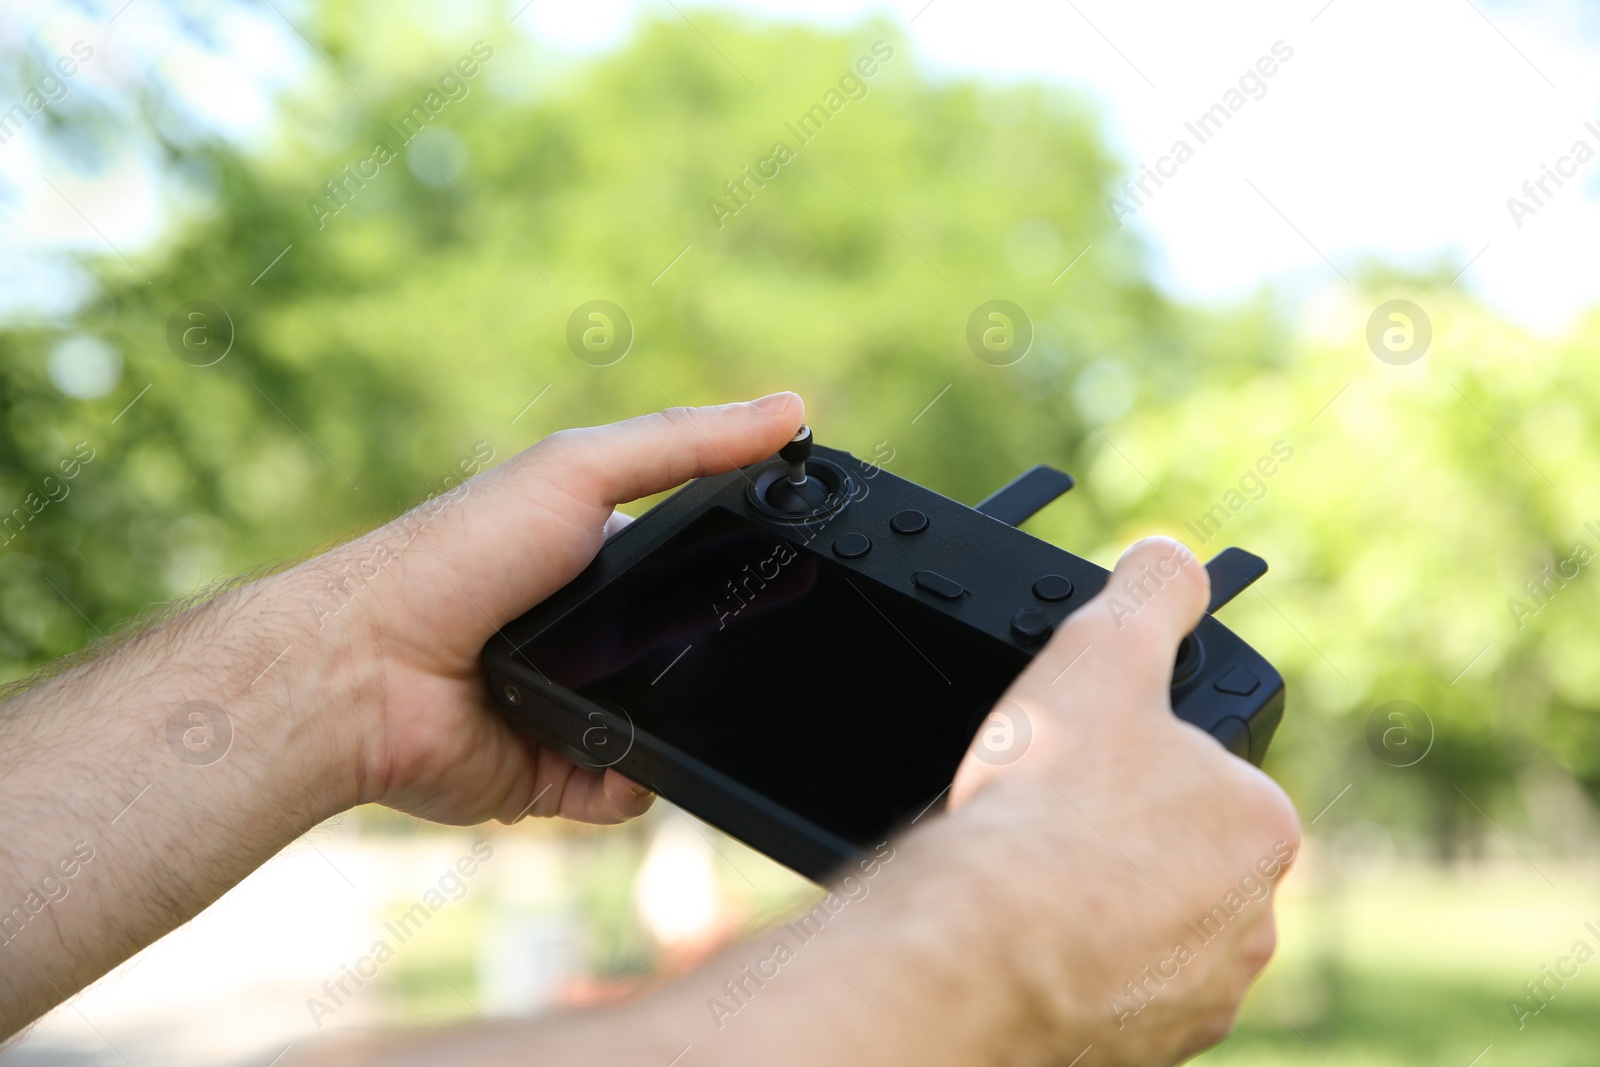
(1391,131)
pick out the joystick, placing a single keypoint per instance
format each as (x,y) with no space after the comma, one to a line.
(797,493)
(796,452)
(800,487)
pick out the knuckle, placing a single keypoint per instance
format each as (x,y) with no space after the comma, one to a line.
(1259,946)
(559,439)
(1215,1027)
(1289,833)
(1278,811)
(1260,803)
(565,459)
(563,444)
(677,417)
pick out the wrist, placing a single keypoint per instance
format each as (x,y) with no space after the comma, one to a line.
(306,691)
(974,941)
(917,957)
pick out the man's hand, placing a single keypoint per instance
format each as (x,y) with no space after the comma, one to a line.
(1133,837)
(1106,895)
(428,744)
(162,772)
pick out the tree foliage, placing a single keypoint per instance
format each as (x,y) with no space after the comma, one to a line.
(381,328)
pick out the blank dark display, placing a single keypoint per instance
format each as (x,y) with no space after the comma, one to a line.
(708,644)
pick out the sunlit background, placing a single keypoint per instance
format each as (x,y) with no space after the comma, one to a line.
(1430,534)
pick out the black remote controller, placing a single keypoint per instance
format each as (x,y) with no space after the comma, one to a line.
(800,652)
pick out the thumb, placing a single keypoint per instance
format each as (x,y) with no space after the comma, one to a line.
(1109,659)
(609,465)
(1156,595)
(527,527)
(1129,633)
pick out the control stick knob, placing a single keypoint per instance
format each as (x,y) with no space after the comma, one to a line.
(795,454)
(797,493)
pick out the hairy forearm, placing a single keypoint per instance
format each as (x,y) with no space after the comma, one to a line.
(906,971)
(138,787)
(912,972)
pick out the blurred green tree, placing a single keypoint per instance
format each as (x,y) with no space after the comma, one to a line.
(399,265)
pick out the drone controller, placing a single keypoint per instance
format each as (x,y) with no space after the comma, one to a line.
(800,652)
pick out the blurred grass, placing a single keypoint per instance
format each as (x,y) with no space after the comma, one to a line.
(1378,963)
(1418,966)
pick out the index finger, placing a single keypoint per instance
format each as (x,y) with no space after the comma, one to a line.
(610,465)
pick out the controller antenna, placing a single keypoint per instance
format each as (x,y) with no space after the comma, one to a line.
(795,454)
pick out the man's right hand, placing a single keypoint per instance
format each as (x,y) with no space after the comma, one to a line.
(1133,854)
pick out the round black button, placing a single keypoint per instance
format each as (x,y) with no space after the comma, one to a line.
(909,522)
(1052,587)
(1031,625)
(851,545)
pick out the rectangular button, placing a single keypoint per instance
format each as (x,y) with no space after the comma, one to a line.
(937,584)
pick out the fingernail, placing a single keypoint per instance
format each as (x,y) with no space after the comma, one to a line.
(776,404)
(638,790)
(1172,546)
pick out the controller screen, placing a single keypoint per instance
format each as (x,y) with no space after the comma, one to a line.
(848,703)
